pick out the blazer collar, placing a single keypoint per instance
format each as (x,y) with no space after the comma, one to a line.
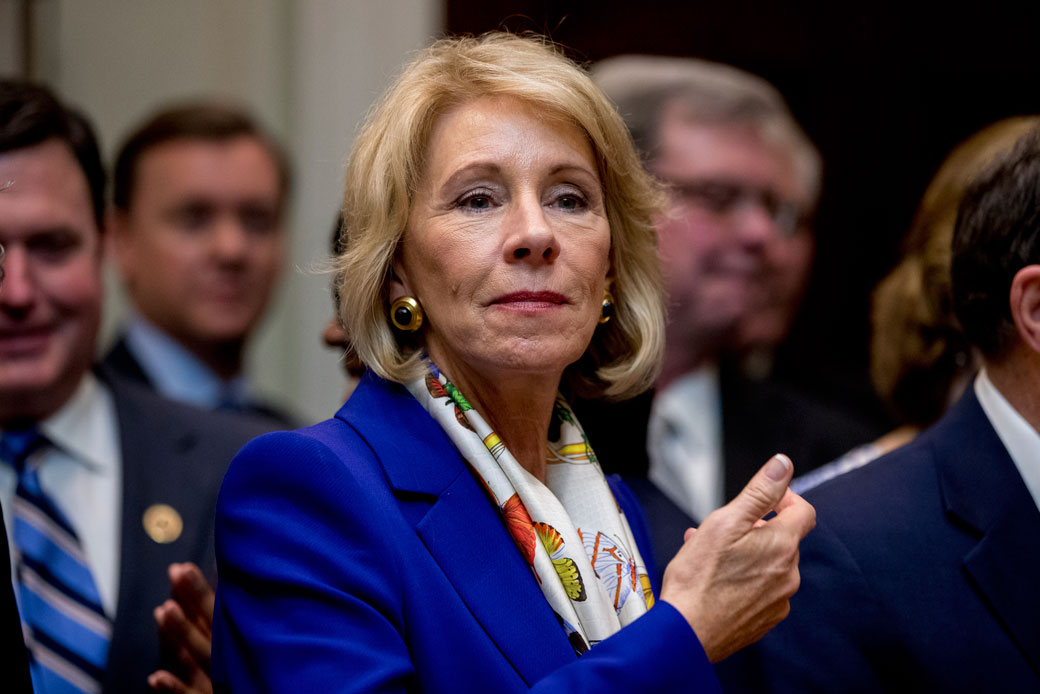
(462,529)
(397,428)
(981,488)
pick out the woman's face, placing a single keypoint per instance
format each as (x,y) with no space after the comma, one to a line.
(507,243)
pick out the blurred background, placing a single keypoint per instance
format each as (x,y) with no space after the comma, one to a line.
(884,89)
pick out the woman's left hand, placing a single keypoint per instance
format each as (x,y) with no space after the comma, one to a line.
(734,576)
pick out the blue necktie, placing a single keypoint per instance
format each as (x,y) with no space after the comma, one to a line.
(65,627)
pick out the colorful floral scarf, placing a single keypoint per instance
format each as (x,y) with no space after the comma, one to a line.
(570,530)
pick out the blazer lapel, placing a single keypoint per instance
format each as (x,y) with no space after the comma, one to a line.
(982,487)
(462,530)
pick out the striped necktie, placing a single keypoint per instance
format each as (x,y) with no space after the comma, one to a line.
(65,627)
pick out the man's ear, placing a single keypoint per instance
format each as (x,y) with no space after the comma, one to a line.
(1025,305)
(118,244)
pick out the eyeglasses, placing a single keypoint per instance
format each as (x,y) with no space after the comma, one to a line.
(725,197)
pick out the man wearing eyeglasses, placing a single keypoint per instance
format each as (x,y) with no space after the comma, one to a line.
(736,247)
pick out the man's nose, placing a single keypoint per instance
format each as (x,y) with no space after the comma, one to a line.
(230,240)
(755,224)
(18,289)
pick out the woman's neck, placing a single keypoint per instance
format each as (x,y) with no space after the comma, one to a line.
(518,408)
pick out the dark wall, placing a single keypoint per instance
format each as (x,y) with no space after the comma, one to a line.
(884,89)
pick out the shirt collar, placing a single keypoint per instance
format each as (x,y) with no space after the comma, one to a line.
(85,427)
(176,372)
(696,391)
(1020,439)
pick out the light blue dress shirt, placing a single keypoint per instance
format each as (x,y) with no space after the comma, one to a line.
(178,374)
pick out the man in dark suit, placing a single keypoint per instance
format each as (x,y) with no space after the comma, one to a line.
(921,573)
(113,480)
(736,246)
(12,646)
(197,229)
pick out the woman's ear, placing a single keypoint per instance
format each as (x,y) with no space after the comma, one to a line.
(1025,305)
(398,281)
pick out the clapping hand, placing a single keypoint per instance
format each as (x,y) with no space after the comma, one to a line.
(185,630)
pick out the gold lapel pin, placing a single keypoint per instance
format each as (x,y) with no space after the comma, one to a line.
(162,523)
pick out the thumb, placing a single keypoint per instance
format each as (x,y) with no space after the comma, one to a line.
(765,490)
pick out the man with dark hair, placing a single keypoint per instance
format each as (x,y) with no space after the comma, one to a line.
(12,646)
(921,573)
(103,483)
(198,207)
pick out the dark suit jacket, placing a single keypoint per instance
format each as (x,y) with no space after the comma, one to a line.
(171,454)
(762,418)
(14,665)
(921,575)
(759,419)
(361,554)
(120,360)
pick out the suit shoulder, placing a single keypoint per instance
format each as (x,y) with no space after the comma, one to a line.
(120,361)
(135,400)
(883,514)
(316,454)
(891,478)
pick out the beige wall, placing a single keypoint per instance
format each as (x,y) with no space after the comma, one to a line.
(308,68)
(10,37)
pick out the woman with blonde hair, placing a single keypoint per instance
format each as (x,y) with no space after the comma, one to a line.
(450,529)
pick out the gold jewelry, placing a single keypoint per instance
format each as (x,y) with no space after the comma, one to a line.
(608,307)
(406,314)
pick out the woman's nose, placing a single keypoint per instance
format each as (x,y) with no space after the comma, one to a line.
(531,236)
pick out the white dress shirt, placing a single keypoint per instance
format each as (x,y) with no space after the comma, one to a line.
(82,474)
(1020,439)
(684,442)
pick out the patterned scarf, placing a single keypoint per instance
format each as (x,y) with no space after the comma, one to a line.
(570,530)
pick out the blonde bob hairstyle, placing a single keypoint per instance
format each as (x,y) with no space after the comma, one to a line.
(386,169)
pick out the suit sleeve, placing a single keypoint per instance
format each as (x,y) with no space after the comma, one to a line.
(836,638)
(305,600)
(310,594)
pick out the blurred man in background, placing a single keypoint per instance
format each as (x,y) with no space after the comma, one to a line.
(197,232)
(103,483)
(921,573)
(736,245)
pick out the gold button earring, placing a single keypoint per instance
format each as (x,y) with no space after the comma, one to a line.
(406,314)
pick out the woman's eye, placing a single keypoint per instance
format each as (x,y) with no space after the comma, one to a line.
(570,201)
(475,201)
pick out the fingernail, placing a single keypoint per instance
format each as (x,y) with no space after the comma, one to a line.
(777,467)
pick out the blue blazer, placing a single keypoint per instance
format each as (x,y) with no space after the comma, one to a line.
(361,554)
(921,575)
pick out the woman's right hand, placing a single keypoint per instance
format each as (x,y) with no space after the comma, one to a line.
(734,576)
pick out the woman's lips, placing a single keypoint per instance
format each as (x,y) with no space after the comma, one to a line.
(530,300)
